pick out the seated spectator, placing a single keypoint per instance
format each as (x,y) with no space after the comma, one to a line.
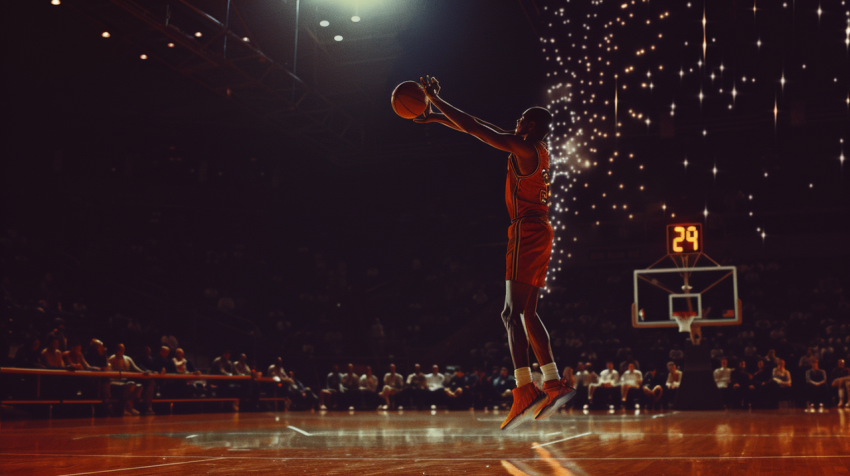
(461,386)
(609,380)
(74,358)
(416,387)
(181,365)
(302,397)
(282,381)
(222,365)
(624,365)
(816,388)
(329,396)
(723,378)
(350,387)
(841,380)
(653,387)
(742,386)
(241,366)
(393,384)
(145,361)
(503,386)
(51,356)
(762,378)
(368,388)
(674,379)
(162,363)
(438,393)
(585,376)
(631,383)
(131,392)
(96,355)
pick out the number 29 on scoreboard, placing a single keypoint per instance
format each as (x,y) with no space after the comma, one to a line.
(684,238)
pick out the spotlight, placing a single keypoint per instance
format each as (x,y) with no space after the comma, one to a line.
(105,34)
(324,23)
(144,57)
(355,18)
(338,38)
(171,45)
(198,34)
(55,2)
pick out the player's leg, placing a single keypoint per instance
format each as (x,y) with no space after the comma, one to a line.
(538,336)
(512,318)
(526,395)
(557,393)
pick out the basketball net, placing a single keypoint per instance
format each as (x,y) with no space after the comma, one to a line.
(684,319)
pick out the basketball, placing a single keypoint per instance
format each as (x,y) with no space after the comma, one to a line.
(409,100)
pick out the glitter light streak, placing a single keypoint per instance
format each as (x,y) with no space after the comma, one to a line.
(595,48)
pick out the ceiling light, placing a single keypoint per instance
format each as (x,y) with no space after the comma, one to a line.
(324,23)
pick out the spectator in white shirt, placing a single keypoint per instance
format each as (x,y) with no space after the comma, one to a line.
(584,377)
(434,382)
(630,383)
(609,380)
(723,375)
(393,383)
(674,378)
(130,391)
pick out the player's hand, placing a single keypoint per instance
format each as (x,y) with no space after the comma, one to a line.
(430,85)
(428,116)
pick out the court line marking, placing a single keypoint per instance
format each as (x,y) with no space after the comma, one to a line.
(562,439)
(285,458)
(143,467)
(556,433)
(299,430)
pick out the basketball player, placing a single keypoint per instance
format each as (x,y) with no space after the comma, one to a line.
(529,247)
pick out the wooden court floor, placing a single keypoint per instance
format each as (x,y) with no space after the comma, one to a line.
(434,443)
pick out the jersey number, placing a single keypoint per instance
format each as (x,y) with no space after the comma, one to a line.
(544,194)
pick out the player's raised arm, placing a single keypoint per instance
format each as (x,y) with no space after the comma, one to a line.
(467,123)
(438,118)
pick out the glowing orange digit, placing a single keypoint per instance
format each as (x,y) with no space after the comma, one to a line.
(693,237)
(680,230)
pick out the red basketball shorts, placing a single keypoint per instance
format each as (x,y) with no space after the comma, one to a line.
(529,250)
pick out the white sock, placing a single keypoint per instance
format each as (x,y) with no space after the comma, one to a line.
(550,371)
(523,376)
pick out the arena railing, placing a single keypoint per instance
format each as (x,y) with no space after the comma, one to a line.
(135,376)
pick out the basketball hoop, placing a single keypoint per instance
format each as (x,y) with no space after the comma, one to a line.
(684,319)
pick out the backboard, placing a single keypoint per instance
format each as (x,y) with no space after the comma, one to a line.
(709,294)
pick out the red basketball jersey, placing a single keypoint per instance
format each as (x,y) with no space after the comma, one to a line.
(528,195)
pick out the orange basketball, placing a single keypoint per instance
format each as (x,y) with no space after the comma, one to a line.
(409,100)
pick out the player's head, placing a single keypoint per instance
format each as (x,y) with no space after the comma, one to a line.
(534,123)
(724,363)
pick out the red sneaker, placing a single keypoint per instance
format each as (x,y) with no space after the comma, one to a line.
(557,394)
(525,398)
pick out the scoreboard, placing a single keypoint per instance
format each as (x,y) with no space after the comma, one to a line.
(684,238)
